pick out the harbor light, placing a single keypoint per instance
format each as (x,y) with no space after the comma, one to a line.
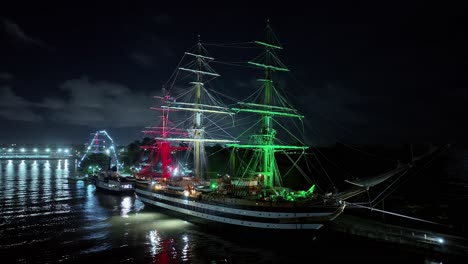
(35,150)
(22,150)
(47,150)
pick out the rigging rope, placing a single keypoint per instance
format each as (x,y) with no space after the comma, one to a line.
(174,72)
(241,64)
(228,44)
(396,214)
(417,171)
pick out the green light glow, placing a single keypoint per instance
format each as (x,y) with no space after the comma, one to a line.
(273,113)
(265,80)
(268,66)
(268,106)
(198,105)
(250,146)
(293,196)
(198,140)
(198,110)
(268,45)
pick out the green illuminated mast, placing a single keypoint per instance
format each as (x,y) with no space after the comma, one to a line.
(264,143)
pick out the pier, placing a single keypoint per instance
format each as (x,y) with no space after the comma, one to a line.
(426,240)
(35,153)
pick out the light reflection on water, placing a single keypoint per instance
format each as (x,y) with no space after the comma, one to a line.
(41,206)
(126,205)
(9,182)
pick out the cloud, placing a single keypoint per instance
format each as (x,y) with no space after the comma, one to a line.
(14,107)
(6,76)
(15,32)
(335,112)
(86,103)
(100,104)
(161,46)
(162,19)
(338,103)
(142,59)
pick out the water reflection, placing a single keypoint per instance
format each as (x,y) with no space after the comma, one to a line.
(186,249)
(85,225)
(33,183)
(125,205)
(162,251)
(61,176)
(21,184)
(46,178)
(10,172)
(154,241)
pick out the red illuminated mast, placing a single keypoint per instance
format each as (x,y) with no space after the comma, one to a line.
(161,151)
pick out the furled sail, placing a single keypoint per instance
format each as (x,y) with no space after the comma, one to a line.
(372,181)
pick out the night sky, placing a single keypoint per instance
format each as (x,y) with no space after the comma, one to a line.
(361,73)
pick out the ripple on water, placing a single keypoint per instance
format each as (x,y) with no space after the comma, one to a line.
(97,248)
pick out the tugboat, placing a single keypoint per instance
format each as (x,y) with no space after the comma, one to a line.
(110,181)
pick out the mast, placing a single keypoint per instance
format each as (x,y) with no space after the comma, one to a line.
(161,150)
(197,130)
(264,142)
(200,103)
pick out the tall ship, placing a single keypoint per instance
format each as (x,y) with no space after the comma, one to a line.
(251,190)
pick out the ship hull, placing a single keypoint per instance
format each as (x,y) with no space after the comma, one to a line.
(115,187)
(227,211)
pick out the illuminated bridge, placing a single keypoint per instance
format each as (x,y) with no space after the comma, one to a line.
(36,153)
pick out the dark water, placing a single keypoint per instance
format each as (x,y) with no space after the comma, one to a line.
(47,218)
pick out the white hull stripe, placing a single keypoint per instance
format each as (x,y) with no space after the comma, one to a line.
(112,188)
(222,209)
(233,221)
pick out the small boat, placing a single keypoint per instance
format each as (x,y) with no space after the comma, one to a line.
(111,182)
(128,176)
(142,181)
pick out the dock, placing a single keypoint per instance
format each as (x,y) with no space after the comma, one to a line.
(426,240)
